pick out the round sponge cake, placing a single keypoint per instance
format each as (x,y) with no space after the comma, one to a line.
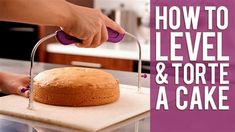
(75,86)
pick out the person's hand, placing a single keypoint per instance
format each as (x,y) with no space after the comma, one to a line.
(84,23)
(89,25)
(14,84)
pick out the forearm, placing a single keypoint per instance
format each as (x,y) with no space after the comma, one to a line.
(44,12)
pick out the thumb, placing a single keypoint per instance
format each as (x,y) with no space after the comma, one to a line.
(113,25)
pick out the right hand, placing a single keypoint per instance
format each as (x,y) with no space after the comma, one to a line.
(89,25)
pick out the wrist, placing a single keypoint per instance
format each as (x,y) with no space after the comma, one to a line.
(62,15)
(66,18)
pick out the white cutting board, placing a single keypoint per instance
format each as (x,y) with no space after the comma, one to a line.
(129,105)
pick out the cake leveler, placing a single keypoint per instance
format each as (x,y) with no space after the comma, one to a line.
(66,39)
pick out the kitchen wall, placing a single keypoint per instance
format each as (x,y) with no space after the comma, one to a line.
(137,5)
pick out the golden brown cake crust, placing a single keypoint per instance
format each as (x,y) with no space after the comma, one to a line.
(75,86)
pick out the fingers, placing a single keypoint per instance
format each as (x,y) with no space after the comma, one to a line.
(113,25)
(86,42)
(96,40)
(100,37)
(104,32)
(92,28)
(23,91)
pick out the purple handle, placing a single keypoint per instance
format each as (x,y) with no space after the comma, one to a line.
(66,39)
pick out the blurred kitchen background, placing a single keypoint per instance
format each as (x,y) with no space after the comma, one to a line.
(17,39)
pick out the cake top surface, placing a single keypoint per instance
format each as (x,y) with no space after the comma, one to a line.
(73,77)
